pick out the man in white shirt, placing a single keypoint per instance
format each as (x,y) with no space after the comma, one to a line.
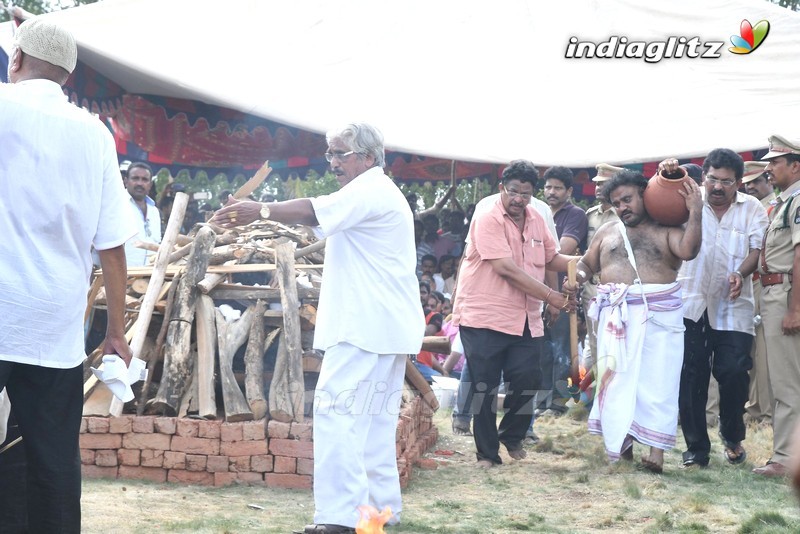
(369,320)
(139,181)
(45,265)
(718,309)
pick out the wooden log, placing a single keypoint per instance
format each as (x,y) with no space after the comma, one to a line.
(212,280)
(308,317)
(310,249)
(415,378)
(253,183)
(236,292)
(97,285)
(156,280)
(158,352)
(254,363)
(140,285)
(247,268)
(438,344)
(287,388)
(231,336)
(205,320)
(177,363)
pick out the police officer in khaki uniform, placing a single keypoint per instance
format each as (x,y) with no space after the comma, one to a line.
(597,216)
(780,306)
(759,406)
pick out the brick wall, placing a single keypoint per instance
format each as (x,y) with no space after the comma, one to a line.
(214,453)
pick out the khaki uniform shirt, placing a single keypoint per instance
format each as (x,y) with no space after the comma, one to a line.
(783,233)
(767,200)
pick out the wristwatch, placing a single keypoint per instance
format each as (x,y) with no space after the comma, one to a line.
(265,211)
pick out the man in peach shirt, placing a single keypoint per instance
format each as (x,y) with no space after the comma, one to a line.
(498,307)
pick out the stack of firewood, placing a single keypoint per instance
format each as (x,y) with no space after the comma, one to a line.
(189,280)
(191,276)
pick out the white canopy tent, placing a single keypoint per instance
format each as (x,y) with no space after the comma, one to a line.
(463,79)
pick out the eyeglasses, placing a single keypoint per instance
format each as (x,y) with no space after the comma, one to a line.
(524,196)
(714,181)
(338,155)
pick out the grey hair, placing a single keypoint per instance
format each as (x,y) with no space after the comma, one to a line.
(362,138)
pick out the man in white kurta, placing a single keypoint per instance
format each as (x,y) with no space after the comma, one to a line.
(60,194)
(369,319)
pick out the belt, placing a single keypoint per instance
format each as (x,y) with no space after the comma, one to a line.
(756,276)
(774,278)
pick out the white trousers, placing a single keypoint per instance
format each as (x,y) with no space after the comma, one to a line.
(356,406)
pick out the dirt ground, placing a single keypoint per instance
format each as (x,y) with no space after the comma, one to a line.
(565,485)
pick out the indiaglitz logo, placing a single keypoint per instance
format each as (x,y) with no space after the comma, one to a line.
(750,37)
(674,47)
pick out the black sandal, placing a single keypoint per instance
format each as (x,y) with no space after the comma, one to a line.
(734,452)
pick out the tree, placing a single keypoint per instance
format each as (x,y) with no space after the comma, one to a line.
(790,4)
(37,7)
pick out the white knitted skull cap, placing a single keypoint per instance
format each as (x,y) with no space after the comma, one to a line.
(49,42)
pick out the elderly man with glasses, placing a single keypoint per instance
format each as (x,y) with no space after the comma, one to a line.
(718,309)
(369,319)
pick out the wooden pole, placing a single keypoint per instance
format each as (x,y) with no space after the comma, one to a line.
(156,280)
(254,363)
(573,329)
(206,352)
(231,336)
(178,365)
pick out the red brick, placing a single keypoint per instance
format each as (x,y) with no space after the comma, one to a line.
(152,458)
(305,466)
(302,431)
(120,425)
(96,471)
(231,431)
(203,478)
(129,456)
(281,480)
(243,448)
(209,447)
(251,479)
(224,479)
(217,464)
(101,441)
(285,464)
(254,430)
(276,429)
(209,429)
(290,447)
(84,425)
(154,474)
(106,458)
(165,425)
(196,462)
(144,425)
(188,428)
(240,464)
(97,425)
(426,463)
(87,456)
(159,442)
(174,460)
(261,463)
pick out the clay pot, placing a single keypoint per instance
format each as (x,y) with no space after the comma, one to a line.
(662,200)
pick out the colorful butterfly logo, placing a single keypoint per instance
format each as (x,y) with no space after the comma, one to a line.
(751,37)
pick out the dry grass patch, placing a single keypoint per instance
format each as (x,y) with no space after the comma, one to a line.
(565,485)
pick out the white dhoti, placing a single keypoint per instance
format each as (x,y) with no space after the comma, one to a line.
(640,354)
(356,406)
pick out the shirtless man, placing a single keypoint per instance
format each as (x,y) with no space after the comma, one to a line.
(640,321)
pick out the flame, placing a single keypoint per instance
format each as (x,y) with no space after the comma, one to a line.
(372,520)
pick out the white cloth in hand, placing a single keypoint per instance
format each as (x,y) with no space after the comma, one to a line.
(118,377)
